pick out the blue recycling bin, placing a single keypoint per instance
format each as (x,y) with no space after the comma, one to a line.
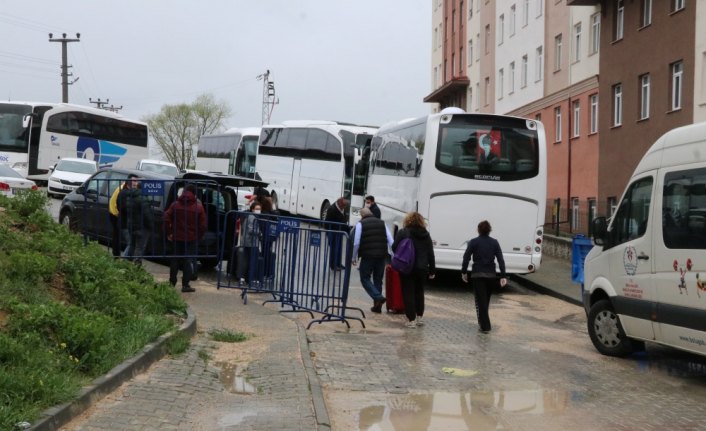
(580,246)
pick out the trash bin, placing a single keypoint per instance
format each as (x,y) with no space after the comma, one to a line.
(580,246)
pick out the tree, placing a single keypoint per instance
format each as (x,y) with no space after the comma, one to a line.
(177,128)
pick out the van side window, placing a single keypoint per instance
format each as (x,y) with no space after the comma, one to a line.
(684,209)
(633,212)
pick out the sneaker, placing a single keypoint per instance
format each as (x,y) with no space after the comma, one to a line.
(376,309)
(420,321)
(412,324)
(188,289)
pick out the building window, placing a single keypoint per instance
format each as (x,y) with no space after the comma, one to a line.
(577,42)
(677,82)
(619,20)
(453,65)
(595,32)
(440,41)
(540,7)
(677,5)
(523,72)
(477,96)
(460,61)
(617,105)
(470,96)
(557,52)
(436,77)
(644,97)
(470,51)
(512,78)
(501,28)
(646,12)
(577,118)
(612,205)
(538,117)
(575,214)
(487,39)
(436,38)
(594,113)
(470,9)
(538,68)
(557,124)
(525,12)
(477,46)
(487,91)
(501,83)
(512,20)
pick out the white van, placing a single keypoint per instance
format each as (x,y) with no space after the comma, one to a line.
(158,166)
(645,280)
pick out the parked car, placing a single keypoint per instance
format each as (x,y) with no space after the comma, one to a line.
(68,174)
(21,168)
(85,209)
(11,182)
(158,166)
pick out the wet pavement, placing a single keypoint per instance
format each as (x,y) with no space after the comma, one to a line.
(537,369)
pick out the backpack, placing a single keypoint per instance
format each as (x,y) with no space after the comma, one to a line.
(404,259)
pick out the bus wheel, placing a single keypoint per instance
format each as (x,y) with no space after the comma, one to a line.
(607,332)
(324,208)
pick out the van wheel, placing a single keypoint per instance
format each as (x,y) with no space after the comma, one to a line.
(324,208)
(607,332)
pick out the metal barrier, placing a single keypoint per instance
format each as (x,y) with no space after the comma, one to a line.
(303,264)
(141,233)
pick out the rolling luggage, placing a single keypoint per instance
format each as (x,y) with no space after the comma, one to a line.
(393,291)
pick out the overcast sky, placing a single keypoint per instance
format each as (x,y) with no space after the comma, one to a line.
(360,61)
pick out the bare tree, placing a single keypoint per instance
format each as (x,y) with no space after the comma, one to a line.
(177,128)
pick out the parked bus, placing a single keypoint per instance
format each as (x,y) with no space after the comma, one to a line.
(310,164)
(233,152)
(39,134)
(458,169)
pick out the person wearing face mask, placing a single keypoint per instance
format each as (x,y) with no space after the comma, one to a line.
(372,206)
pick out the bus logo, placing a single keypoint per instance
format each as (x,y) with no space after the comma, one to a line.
(104,152)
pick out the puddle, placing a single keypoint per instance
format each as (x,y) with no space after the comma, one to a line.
(477,410)
(232,381)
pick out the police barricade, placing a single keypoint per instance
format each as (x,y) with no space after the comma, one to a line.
(140,229)
(303,264)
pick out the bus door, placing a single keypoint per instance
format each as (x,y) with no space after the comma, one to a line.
(34,137)
(296,185)
(360,172)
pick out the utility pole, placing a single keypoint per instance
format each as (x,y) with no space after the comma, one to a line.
(99,103)
(113,108)
(64,66)
(268,97)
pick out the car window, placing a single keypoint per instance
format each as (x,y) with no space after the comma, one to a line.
(6,171)
(684,209)
(633,213)
(97,184)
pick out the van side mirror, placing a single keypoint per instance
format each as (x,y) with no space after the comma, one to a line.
(600,230)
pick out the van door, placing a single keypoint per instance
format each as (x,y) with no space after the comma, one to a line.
(680,248)
(630,256)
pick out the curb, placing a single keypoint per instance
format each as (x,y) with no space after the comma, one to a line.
(55,417)
(323,422)
(544,290)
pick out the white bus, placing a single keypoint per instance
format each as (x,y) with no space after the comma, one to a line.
(310,164)
(457,169)
(233,152)
(39,134)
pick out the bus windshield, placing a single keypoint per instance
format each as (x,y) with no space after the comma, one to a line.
(12,135)
(488,149)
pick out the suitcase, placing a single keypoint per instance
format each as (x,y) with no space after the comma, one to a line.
(393,291)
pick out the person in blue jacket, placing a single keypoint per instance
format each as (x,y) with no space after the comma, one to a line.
(485,251)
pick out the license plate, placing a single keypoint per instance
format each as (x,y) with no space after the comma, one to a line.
(67,188)
(15,190)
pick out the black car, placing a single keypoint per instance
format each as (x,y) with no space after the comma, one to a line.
(85,209)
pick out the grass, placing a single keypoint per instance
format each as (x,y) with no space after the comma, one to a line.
(68,312)
(227,336)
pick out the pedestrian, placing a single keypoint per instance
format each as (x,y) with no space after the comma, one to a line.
(372,241)
(370,203)
(136,219)
(249,242)
(484,250)
(424,267)
(336,213)
(113,214)
(185,224)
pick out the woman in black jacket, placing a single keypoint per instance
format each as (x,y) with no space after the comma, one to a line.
(425,267)
(485,251)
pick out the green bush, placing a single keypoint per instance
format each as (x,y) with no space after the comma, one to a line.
(69,312)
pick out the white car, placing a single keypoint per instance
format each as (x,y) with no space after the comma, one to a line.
(158,166)
(12,182)
(68,174)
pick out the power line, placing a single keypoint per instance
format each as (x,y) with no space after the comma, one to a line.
(23,57)
(24,22)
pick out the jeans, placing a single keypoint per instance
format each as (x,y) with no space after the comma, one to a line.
(184,252)
(136,242)
(375,268)
(335,242)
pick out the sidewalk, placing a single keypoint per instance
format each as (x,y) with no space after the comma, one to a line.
(553,278)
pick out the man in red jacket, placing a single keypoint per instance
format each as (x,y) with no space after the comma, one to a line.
(185,224)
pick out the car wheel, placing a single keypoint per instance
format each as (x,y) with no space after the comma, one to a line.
(66,220)
(324,208)
(607,332)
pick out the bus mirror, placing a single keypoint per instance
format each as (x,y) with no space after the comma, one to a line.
(26,120)
(600,230)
